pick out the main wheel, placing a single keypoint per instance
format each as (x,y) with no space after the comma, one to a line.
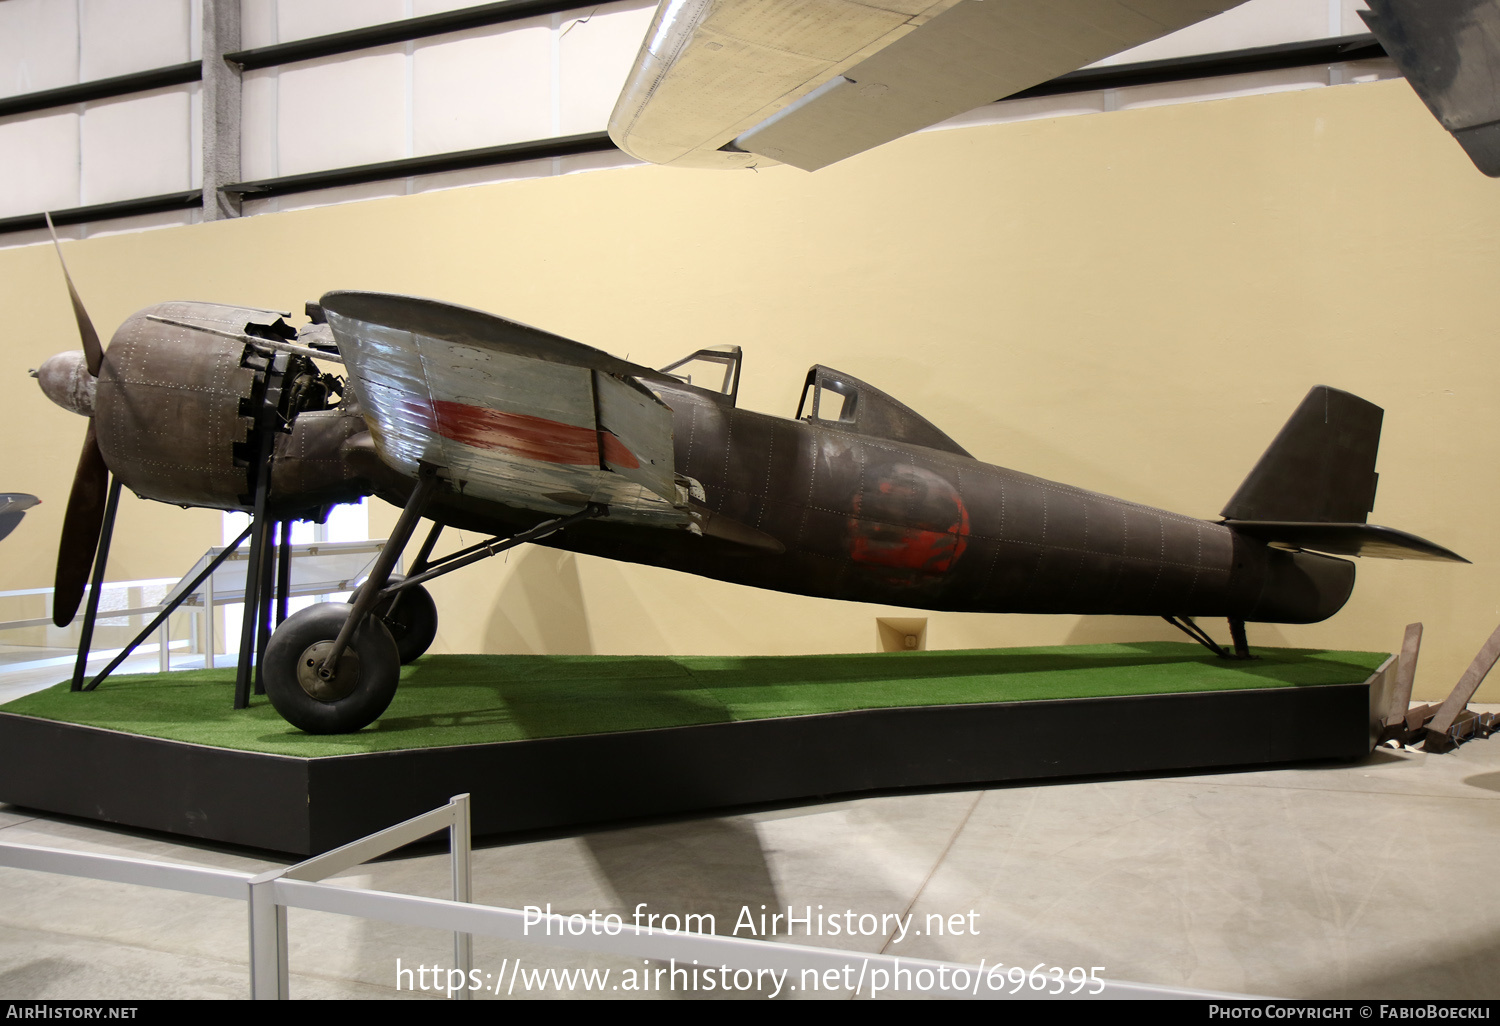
(414,621)
(360,688)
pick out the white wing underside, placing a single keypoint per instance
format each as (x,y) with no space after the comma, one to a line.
(810,82)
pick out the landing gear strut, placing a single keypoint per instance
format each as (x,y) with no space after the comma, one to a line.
(411,616)
(333,668)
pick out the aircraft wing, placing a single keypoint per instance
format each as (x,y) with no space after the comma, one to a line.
(13,506)
(1450,53)
(509,413)
(731,83)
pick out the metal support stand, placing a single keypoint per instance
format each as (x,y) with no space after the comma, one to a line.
(267,597)
(250,623)
(161,618)
(1198,634)
(1241,644)
(101,557)
(267,423)
(283,571)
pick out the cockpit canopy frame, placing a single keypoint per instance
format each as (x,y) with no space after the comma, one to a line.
(726,356)
(867,410)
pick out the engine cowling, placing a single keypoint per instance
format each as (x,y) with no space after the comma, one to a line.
(176,410)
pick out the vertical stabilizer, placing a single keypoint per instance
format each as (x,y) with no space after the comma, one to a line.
(1320,468)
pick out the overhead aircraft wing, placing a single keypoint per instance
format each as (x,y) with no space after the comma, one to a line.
(508,413)
(732,83)
(1449,50)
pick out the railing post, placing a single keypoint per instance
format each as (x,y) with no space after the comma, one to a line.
(268,961)
(459,843)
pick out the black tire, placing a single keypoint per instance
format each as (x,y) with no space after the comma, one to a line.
(415,622)
(363,687)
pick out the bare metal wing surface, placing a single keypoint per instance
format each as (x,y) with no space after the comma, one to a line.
(506,412)
(1449,50)
(13,506)
(732,83)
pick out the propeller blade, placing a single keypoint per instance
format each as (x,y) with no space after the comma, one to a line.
(92,350)
(82,523)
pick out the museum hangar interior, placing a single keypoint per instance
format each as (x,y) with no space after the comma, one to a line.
(1123,285)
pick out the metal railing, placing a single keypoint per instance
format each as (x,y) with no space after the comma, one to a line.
(268,896)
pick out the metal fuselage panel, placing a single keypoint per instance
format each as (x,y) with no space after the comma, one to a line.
(309,466)
(871,520)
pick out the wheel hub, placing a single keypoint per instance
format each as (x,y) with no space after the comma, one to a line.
(340,681)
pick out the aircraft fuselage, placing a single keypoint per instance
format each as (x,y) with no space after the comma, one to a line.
(814,508)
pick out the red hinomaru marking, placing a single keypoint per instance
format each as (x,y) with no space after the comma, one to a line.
(931,545)
(533,437)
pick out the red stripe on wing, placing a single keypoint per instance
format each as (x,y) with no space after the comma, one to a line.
(536,438)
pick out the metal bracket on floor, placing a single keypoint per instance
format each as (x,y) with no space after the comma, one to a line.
(1439,728)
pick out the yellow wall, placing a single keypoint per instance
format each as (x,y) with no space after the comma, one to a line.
(1133,302)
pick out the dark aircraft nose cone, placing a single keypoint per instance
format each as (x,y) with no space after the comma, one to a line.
(65,379)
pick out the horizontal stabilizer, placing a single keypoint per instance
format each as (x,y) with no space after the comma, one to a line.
(1344,539)
(1320,468)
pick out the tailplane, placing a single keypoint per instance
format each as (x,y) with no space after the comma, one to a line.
(1315,485)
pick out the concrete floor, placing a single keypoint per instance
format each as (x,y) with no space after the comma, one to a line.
(1368,880)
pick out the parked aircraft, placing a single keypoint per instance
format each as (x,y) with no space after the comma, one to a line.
(472,421)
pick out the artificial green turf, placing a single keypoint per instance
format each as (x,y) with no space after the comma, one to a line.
(462,700)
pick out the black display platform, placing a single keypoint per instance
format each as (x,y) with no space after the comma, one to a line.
(305,806)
